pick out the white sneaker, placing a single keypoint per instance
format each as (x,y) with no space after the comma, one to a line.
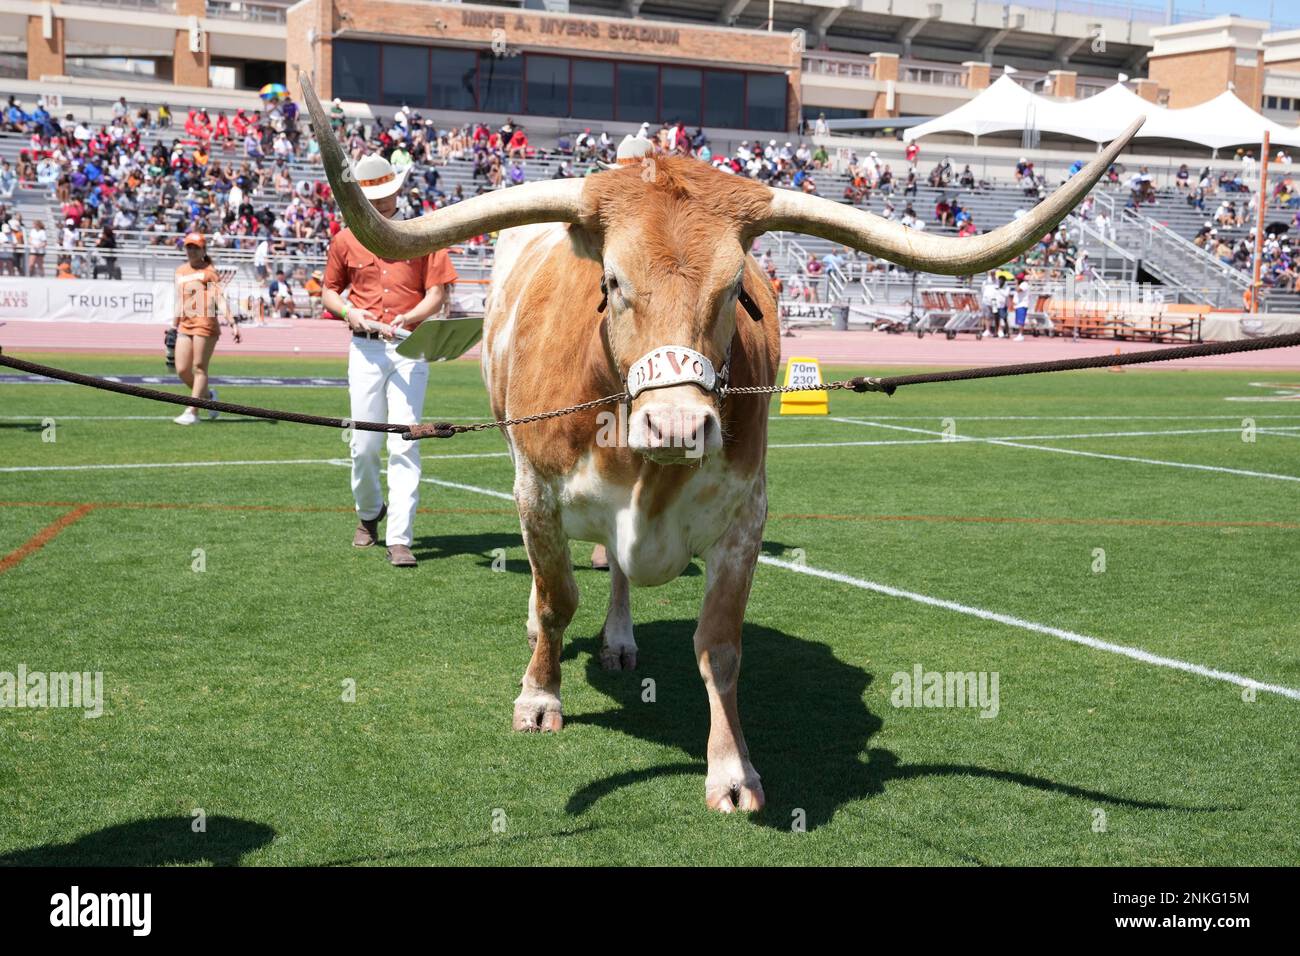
(186,418)
(1020,337)
(1001,334)
(212,412)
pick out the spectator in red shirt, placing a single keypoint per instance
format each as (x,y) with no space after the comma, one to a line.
(518,144)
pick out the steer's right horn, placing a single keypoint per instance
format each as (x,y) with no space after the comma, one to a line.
(552,201)
(794,211)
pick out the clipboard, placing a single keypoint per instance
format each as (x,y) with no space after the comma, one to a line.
(438,340)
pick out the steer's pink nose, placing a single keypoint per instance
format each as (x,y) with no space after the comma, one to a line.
(666,432)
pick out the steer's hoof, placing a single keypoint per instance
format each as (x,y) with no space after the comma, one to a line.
(747,798)
(533,718)
(618,658)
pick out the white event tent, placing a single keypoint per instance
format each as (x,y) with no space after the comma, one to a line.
(1006,105)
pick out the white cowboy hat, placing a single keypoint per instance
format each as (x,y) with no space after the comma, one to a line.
(377,177)
(632,150)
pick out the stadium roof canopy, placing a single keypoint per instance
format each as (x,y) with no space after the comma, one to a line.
(1006,105)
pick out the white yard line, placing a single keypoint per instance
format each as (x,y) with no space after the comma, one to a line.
(1135,653)
(474,488)
(1003,438)
(1074,451)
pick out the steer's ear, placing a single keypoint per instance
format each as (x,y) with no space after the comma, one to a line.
(586,244)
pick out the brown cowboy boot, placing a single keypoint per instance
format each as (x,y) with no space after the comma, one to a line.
(400,556)
(368,531)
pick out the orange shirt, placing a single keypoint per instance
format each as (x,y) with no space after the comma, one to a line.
(197,292)
(383,287)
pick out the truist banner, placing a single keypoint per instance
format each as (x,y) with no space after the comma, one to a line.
(84,300)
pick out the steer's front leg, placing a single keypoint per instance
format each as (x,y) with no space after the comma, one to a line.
(550,607)
(732,782)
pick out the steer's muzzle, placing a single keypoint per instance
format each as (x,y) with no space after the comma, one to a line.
(674,426)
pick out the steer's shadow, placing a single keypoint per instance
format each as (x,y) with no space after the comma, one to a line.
(801,707)
(808,727)
(158,841)
(429,546)
(514,560)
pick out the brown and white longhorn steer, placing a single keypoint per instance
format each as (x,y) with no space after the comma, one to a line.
(634,278)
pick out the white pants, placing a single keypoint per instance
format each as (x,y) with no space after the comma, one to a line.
(386,387)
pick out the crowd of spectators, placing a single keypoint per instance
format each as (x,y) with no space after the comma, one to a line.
(145,178)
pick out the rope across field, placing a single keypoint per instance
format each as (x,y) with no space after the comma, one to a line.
(416,431)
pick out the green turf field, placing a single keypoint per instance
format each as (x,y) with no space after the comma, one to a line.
(224,687)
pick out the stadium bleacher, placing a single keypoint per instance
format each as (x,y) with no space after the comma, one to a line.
(1113,240)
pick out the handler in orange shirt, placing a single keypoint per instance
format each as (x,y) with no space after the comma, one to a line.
(383,385)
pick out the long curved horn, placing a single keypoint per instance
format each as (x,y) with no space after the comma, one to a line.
(800,212)
(551,201)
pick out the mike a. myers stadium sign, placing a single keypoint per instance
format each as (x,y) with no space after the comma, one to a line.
(570,27)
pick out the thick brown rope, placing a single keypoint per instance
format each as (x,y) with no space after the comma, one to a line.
(888,384)
(860,383)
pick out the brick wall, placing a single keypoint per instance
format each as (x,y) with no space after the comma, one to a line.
(977,74)
(307,48)
(1064,83)
(886,68)
(44,57)
(1194,78)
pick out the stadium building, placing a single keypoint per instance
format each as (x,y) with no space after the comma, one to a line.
(725,64)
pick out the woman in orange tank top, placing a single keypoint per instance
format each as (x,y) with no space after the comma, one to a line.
(198,303)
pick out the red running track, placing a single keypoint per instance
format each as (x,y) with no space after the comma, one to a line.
(317,338)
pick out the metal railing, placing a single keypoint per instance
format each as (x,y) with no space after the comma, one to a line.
(935,74)
(251,11)
(831,64)
(154,6)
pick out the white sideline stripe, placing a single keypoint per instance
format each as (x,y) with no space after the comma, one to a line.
(473,488)
(164,418)
(1135,653)
(176,464)
(1032,418)
(794,419)
(1085,454)
(1002,438)
(214,464)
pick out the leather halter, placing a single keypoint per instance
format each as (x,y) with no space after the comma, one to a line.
(721,378)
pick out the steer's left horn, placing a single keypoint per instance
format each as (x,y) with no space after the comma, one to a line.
(799,212)
(552,201)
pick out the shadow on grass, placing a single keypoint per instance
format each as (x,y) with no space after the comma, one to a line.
(160,841)
(808,728)
(421,853)
(430,546)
